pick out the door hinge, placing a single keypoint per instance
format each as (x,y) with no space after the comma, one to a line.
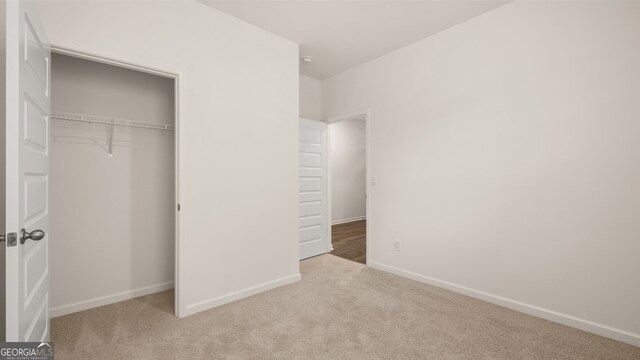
(178,207)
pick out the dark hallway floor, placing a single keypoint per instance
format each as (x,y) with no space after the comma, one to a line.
(350,241)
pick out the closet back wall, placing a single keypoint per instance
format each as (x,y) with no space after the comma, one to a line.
(112,217)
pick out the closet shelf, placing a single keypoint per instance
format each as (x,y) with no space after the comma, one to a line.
(110,120)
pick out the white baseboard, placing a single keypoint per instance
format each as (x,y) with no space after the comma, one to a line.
(240,294)
(344,221)
(109,299)
(564,319)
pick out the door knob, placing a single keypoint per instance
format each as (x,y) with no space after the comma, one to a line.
(35,235)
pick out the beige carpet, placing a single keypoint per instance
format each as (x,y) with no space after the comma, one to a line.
(340,310)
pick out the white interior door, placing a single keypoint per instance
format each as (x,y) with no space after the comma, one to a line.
(313,189)
(27,175)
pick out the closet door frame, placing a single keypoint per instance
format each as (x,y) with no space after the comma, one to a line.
(179,77)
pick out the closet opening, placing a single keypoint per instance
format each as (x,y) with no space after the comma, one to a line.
(113,192)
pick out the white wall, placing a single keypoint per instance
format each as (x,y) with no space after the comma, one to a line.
(113,217)
(238,141)
(347,146)
(90,87)
(310,98)
(3,114)
(507,157)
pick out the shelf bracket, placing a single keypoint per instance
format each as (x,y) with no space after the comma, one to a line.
(111,140)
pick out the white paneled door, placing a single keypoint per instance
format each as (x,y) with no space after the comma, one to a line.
(28,105)
(313,189)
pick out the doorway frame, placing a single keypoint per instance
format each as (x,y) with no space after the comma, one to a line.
(178,75)
(368,181)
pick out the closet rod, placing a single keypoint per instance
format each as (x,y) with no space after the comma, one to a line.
(110,120)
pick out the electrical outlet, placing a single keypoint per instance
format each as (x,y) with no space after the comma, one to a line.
(396,245)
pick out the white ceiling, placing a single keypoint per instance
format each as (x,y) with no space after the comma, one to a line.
(342,34)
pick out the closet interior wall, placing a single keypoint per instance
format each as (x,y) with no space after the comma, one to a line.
(113,217)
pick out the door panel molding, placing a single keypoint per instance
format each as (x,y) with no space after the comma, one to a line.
(28,105)
(312,194)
